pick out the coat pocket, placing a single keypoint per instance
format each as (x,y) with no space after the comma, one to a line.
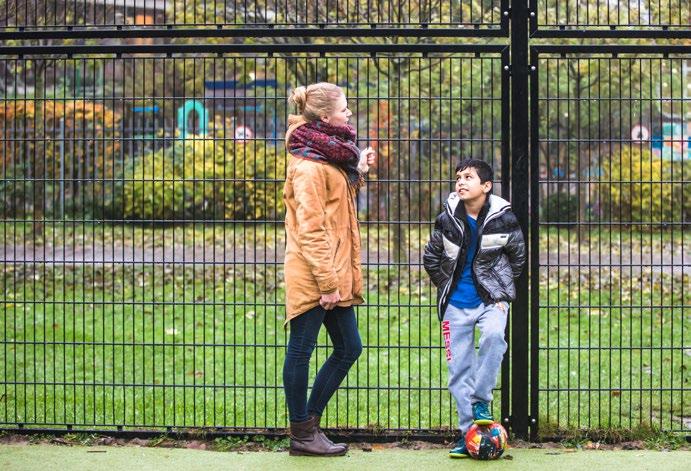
(335,254)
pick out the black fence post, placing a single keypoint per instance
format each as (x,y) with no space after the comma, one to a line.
(506,193)
(519,197)
(534,246)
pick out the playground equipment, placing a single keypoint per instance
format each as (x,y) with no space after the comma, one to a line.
(202,114)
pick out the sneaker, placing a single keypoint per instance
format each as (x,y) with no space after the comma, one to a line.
(481,414)
(460,450)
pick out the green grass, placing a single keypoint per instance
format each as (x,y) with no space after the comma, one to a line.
(375,237)
(223,342)
(35,457)
(203,346)
(648,437)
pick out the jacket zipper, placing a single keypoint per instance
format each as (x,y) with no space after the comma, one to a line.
(479,243)
(445,292)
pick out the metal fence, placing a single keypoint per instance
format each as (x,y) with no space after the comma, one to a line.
(631,16)
(612,164)
(142,167)
(118,322)
(241,13)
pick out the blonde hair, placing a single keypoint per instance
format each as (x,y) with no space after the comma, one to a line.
(313,102)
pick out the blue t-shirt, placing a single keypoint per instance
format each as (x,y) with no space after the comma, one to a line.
(465,295)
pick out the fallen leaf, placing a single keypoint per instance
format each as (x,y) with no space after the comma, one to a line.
(138,442)
(196,445)
(60,441)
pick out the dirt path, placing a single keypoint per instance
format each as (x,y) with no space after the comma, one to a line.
(678,262)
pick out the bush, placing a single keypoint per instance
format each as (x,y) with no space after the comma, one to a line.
(641,189)
(205,179)
(91,143)
(560,207)
(16,193)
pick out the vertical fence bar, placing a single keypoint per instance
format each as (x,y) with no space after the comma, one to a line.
(506,192)
(519,200)
(534,253)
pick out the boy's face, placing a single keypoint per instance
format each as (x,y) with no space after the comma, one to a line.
(469,187)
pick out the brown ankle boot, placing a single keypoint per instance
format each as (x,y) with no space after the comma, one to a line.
(305,440)
(318,419)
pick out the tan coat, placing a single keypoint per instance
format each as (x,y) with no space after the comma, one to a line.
(323,237)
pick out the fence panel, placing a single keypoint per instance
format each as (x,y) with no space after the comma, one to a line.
(612,173)
(622,18)
(61,14)
(143,287)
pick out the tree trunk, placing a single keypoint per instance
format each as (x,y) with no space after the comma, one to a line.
(400,198)
(583,164)
(37,152)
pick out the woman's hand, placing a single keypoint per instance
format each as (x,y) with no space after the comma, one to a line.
(329,301)
(367,158)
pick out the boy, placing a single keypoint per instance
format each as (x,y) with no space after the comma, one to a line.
(475,253)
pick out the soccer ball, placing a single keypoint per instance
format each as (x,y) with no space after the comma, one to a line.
(486,442)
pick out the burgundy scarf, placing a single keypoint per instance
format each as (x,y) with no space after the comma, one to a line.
(323,142)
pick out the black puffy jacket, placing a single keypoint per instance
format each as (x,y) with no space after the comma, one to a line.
(500,255)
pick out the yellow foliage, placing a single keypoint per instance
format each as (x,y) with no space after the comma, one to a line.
(204,178)
(643,189)
(87,125)
(75,112)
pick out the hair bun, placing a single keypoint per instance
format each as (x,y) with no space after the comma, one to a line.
(299,97)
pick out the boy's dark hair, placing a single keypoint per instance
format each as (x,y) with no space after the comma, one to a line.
(483,169)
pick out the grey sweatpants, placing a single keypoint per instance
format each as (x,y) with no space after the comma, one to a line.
(473,376)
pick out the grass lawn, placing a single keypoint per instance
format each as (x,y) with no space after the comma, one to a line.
(147,345)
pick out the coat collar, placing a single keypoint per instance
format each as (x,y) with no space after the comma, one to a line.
(494,206)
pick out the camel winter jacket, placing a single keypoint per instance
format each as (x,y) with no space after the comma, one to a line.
(323,237)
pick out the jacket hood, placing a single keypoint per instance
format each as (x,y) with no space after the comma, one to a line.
(497,205)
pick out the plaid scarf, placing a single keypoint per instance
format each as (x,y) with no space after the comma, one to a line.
(323,142)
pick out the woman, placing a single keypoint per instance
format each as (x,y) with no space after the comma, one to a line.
(322,259)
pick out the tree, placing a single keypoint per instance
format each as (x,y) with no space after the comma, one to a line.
(588,108)
(20,14)
(395,73)
(37,113)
